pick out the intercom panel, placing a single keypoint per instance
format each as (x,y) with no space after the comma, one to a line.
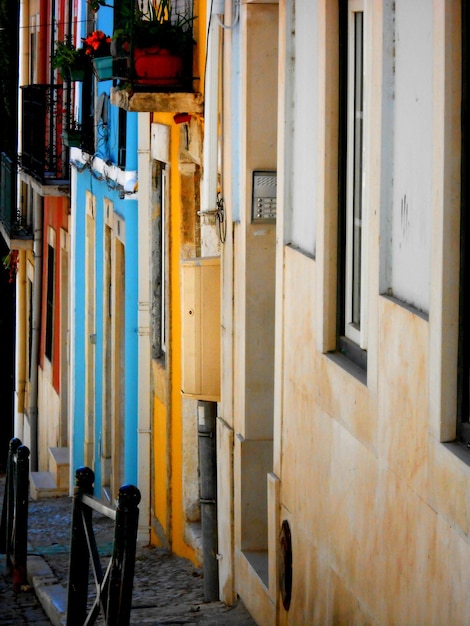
(264,201)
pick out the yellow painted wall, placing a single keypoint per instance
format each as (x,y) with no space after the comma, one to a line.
(168,486)
(160,465)
(168,496)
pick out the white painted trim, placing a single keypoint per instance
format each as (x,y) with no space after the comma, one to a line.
(358,335)
(160,142)
(445,260)
(144,427)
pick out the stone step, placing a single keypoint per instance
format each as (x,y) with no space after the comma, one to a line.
(59,466)
(43,485)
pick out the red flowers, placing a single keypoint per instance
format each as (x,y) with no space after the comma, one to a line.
(10,263)
(97,44)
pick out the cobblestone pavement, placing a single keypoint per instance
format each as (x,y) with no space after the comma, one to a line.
(19,608)
(167,589)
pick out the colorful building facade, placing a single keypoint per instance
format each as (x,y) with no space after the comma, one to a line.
(275,240)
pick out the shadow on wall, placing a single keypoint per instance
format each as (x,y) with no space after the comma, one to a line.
(7,361)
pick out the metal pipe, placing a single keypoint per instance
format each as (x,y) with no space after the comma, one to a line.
(207,414)
(35,332)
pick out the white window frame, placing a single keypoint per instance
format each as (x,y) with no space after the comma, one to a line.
(355,313)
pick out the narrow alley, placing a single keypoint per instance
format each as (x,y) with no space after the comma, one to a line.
(167,589)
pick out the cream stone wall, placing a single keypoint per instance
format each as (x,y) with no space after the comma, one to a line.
(376,500)
(48,417)
(378,509)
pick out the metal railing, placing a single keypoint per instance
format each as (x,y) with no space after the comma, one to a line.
(43,153)
(114,586)
(14,522)
(16,225)
(7,197)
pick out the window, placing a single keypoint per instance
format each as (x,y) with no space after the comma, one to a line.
(352,318)
(88,113)
(158,260)
(29,297)
(464,339)
(122,133)
(50,301)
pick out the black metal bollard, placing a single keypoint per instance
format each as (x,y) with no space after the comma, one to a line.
(21,518)
(123,558)
(14,523)
(77,592)
(6,527)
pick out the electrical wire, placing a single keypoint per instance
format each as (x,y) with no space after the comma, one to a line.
(234,19)
(220,218)
(111,183)
(47,24)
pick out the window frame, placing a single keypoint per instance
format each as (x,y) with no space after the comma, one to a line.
(122,138)
(50,302)
(158,252)
(352,217)
(463,399)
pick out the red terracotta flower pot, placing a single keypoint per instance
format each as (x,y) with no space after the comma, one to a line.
(156,66)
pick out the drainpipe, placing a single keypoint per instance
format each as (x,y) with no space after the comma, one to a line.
(209,240)
(36,328)
(20,366)
(207,411)
(207,414)
(144,428)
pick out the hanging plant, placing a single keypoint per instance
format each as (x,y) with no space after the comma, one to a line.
(10,263)
(97,44)
(69,59)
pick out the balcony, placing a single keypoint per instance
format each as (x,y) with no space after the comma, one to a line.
(157,101)
(153,64)
(44,158)
(143,84)
(16,230)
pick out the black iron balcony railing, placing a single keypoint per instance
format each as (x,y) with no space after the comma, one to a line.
(7,194)
(43,152)
(14,225)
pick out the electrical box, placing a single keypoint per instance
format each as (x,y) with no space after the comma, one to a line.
(200,289)
(264,197)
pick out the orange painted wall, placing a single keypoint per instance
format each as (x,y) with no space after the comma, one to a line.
(56,211)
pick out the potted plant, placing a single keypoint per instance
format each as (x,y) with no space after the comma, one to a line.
(98,47)
(69,60)
(159,42)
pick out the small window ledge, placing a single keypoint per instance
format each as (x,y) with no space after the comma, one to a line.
(460,450)
(258,559)
(349,366)
(164,102)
